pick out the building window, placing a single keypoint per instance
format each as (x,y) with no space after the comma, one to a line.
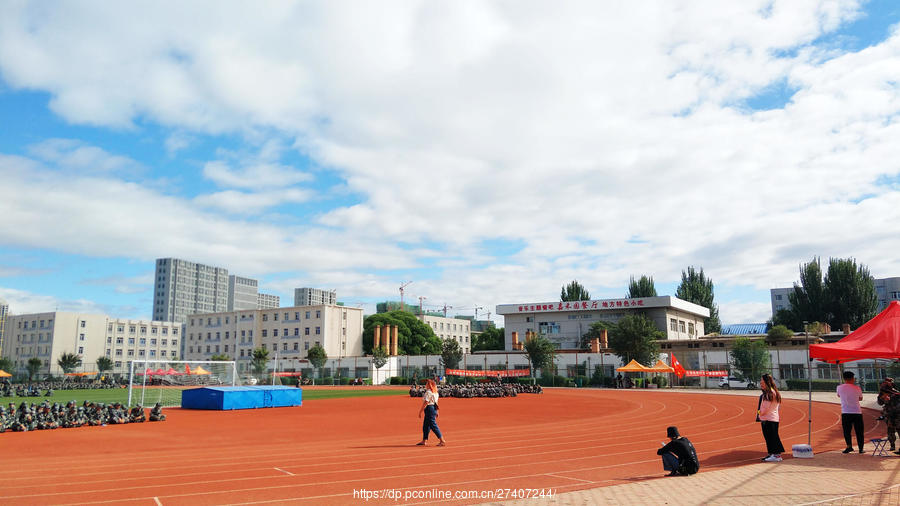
(318,313)
(691,328)
(131,329)
(306,345)
(318,330)
(681,326)
(81,337)
(265,333)
(283,346)
(296,346)
(307,315)
(130,341)
(265,317)
(143,341)
(82,323)
(673,324)
(140,353)
(296,331)
(274,332)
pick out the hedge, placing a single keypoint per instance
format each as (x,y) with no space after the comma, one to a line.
(828,385)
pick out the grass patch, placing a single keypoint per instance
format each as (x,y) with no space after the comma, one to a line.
(121,395)
(311,395)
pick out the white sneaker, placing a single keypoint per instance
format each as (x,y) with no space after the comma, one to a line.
(773,458)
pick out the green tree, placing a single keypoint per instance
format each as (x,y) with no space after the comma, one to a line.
(594,332)
(104,364)
(451,354)
(635,337)
(493,338)
(379,357)
(222,357)
(33,365)
(259,361)
(751,358)
(68,362)
(541,352)
(643,287)
(574,291)
(6,364)
(808,298)
(846,294)
(850,295)
(414,336)
(696,288)
(779,333)
(317,356)
(787,318)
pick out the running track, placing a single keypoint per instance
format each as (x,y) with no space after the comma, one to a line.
(564,439)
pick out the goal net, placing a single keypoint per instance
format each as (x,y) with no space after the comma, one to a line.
(152,381)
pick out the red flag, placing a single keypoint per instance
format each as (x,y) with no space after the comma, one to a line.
(679,371)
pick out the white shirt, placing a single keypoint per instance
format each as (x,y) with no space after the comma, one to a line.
(430,398)
(850,395)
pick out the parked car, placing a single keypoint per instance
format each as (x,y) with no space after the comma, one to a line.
(735,382)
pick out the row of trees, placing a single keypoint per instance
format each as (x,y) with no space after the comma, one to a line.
(844,294)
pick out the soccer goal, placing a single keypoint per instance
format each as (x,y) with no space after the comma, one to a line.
(152,381)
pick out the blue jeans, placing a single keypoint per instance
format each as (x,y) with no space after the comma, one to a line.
(671,462)
(430,423)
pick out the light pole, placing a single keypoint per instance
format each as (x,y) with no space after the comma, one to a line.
(809,387)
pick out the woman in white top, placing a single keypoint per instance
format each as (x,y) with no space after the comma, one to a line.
(430,408)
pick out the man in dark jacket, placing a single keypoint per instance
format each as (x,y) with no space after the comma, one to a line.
(679,456)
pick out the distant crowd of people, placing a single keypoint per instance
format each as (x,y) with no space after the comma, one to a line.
(46,388)
(47,416)
(490,389)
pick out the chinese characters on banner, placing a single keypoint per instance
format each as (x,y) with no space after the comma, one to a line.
(582,305)
(710,374)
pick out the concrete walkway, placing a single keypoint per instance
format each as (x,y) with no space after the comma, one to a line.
(830,478)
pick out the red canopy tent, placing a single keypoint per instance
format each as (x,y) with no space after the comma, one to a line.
(878,338)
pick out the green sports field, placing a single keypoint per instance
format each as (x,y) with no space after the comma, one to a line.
(121,395)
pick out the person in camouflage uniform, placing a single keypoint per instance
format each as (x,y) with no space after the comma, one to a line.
(156,414)
(137,414)
(891,403)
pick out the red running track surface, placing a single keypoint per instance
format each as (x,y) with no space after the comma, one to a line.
(327,450)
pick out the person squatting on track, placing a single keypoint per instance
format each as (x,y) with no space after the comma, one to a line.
(889,397)
(851,414)
(430,408)
(768,414)
(679,456)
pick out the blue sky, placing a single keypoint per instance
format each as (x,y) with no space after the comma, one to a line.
(488,152)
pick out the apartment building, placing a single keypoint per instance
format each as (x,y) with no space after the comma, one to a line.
(450,328)
(288,331)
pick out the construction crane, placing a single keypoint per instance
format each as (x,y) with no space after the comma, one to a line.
(422,305)
(404,285)
(446,307)
(476,312)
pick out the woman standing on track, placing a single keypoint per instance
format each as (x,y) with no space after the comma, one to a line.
(430,408)
(768,415)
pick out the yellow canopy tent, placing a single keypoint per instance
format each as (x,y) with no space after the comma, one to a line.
(199,370)
(633,366)
(661,366)
(4,374)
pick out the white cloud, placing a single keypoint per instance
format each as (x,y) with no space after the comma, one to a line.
(74,155)
(23,302)
(570,128)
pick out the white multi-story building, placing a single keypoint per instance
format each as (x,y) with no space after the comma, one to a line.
(314,297)
(450,328)
(182,288)
(243,293)
(4,313)
(267,301)
(288,331)
(46,336)
(565,322)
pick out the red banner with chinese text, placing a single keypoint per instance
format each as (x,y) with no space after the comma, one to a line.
(711,374)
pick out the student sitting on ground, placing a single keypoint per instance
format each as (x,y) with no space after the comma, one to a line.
(678,456)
